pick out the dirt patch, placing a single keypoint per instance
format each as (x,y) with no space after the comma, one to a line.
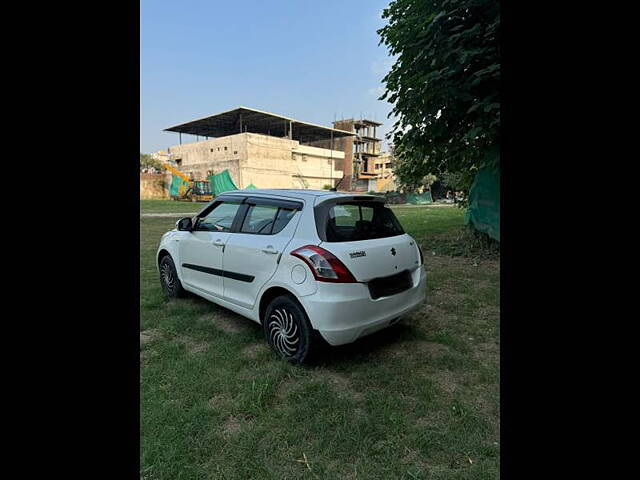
(234,425)
(146,355)
(225,322)
(253,350)
(341,385)
(285,387)
(447,381)
(147,336)
(193,346)
(218,401)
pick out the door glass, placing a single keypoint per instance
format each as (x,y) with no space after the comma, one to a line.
(259,219)
(219,219)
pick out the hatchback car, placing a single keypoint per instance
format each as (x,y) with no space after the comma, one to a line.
(301,263)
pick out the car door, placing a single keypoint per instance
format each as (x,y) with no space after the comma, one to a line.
(202,249)
(252,253)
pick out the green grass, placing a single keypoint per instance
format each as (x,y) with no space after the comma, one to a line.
(418,400)
(169,206)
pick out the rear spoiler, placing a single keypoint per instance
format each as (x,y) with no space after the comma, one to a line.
(351,198)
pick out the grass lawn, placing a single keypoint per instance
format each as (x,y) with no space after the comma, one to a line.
(169,206)
(418,400)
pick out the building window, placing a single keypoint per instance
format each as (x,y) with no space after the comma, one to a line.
(235,152)
(225,149)
(304,158)
(212,150)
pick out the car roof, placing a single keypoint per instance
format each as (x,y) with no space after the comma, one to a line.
(291,192)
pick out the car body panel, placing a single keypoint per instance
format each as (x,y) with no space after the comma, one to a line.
(340,312)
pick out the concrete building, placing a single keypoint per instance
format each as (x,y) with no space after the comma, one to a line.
(260,148)
(383,168)
(360,152)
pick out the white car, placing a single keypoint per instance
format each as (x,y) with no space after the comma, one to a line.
(301,263)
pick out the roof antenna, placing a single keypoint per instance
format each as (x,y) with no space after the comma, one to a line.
(335,189)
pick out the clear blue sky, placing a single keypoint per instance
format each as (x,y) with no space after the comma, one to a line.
(310,60)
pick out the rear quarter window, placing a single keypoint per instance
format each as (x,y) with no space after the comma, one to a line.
(353,221)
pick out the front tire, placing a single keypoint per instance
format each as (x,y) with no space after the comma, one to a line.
(169,280)
(288,330)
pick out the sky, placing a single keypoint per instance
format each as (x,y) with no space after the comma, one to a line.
(315,61)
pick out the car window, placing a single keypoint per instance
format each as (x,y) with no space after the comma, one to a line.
(360,221)
(284,215)
(219,219)
(266,219)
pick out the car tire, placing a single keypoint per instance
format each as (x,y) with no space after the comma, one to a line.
(171,285)
(288,330)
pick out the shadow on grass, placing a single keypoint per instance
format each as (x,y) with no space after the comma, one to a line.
(365,349)
(397,337)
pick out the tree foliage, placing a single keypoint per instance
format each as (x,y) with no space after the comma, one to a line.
(147,161)
(444,84)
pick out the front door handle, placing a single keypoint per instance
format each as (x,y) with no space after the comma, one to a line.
(270,250)
(218,243)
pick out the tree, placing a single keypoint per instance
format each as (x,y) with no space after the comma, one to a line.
(147,161)
(444,85)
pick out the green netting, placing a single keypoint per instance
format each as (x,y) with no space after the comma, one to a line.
(251,187)
(221,183)
(419,199)
(176,183)
(484,202)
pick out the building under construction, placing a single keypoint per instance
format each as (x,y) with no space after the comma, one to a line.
(267,150)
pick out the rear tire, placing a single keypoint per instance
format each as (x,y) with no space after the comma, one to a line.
(288,330)
(169,280)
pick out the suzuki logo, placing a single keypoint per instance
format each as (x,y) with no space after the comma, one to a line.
(393,252)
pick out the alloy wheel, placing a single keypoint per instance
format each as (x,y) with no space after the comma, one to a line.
(283,332)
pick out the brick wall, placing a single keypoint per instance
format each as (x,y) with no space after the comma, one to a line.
(154,185)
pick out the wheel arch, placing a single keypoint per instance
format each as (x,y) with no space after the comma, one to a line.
(271,293)
(163,252)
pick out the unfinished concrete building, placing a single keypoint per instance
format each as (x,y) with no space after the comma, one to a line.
(361,150)
(261,148)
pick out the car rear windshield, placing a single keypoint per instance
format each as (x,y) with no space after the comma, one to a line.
(356,220)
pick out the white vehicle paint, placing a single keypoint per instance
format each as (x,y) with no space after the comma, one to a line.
(342,258)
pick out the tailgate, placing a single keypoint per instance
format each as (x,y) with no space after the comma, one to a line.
(380,257)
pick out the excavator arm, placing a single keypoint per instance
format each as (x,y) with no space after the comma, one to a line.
(176,172)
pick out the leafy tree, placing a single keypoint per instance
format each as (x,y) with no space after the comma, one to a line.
(147,161)
(444,85)
(406,176)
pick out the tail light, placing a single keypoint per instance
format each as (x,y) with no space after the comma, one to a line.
(325,266)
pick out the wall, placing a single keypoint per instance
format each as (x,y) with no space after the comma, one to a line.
(261,160)
(213,155)
(154,186)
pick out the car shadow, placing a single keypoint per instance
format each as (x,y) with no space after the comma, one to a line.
(397,336)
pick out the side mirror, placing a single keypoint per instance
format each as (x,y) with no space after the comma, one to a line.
(184,224)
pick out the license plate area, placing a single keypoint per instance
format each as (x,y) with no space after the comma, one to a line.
(392,285)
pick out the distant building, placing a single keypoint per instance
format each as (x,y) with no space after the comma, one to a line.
(260,148)
(386,180)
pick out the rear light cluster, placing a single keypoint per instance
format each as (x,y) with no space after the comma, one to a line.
(324,265)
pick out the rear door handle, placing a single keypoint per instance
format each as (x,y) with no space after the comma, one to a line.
(218,243)
(270,250)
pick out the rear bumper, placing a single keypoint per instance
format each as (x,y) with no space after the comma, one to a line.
(344,312)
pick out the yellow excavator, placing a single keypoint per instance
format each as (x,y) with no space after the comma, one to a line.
(190,190)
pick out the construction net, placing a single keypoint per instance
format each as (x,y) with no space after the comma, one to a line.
(484,202)
(176,183)
(222,182)
(251,186)
(419,199)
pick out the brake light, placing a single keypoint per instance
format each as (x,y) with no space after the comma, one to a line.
(324,265)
